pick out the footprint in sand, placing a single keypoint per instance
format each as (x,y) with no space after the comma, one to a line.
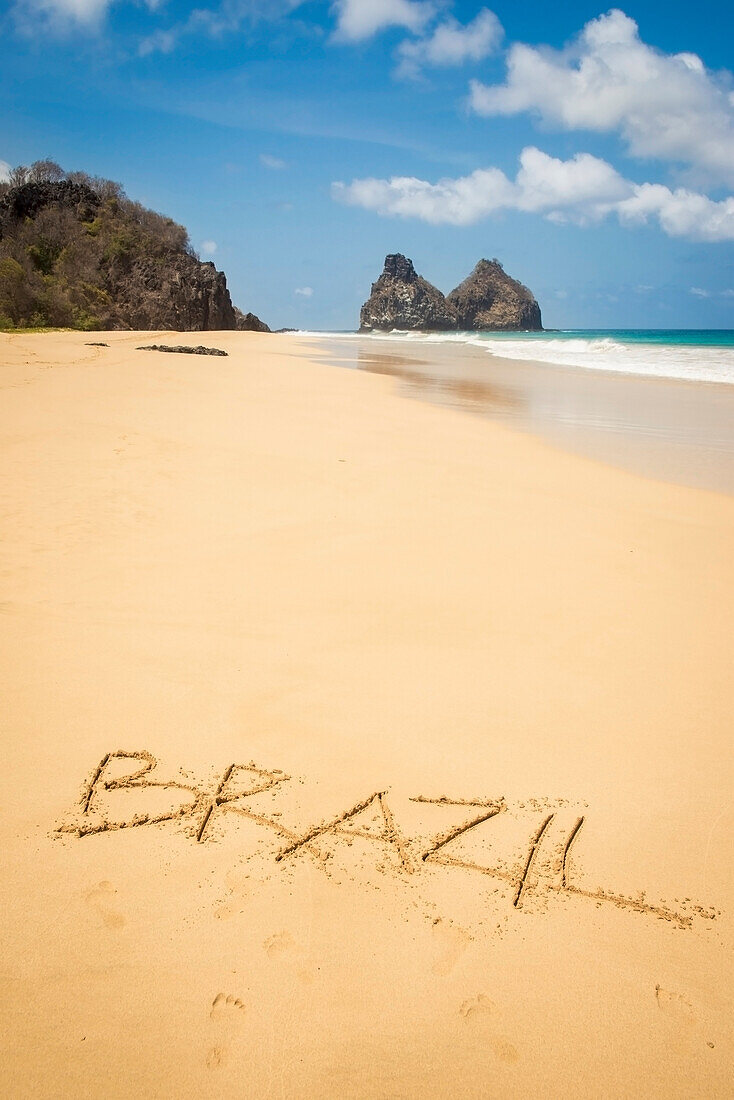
(451,942)
(283,944)
(238,886)
(674,1004)
(479,1005)
(224,1012)
(100,898)
(224,1004)
(216,1057)
(278,943)
(482,1012)
(503,1049)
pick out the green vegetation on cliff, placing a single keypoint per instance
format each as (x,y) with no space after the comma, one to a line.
(76,252)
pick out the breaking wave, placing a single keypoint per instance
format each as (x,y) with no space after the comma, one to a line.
(697,356)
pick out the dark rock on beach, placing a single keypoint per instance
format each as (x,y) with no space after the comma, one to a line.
(401,299)
(489,300)
(183,349)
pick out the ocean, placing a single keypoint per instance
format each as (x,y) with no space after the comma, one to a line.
(697,355)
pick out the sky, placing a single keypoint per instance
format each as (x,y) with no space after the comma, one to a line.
(591,150)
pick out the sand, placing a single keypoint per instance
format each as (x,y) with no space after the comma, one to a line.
(352,747)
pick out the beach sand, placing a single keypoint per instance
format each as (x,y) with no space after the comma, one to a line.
(431,645)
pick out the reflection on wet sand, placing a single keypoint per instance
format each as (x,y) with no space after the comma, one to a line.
(420,378)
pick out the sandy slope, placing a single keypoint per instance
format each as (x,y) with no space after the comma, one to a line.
(276,564)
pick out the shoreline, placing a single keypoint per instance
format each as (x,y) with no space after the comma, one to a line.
(672,429)
(512,346)
(354,747)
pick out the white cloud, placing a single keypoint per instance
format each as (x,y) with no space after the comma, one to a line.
(227,18)
(358,20)
(582,190)
(667,106)
(450,201)
(62,15)
(699,292)
(450,43)
(304,291)
(584,184)
(209,247)
(161,41)
(272,162)
(81,12)
(4,171)
(681,213)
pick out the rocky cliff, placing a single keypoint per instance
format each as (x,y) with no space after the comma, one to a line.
(248,322)
(181,294)
(489,299)
(401,299)
(75,251)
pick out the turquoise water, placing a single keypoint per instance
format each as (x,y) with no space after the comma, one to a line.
(695,355)
(702,338)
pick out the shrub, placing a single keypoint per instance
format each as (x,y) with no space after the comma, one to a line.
(15,295)
(67,243)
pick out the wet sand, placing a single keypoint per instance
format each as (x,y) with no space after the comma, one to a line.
(353,746)
(660,427)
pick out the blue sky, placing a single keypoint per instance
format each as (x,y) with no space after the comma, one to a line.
(592,151)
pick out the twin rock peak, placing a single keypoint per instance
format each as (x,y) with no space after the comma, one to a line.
(488,300)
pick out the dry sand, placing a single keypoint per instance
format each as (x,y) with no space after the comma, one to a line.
(395,621)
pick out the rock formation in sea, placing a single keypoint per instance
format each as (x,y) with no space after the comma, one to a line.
(401,299)
(75,251)
(248,322)
(489,299)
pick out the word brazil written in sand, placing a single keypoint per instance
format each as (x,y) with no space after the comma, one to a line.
(541,864)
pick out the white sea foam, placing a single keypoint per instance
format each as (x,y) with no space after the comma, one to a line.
(691,362)
(684,361)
